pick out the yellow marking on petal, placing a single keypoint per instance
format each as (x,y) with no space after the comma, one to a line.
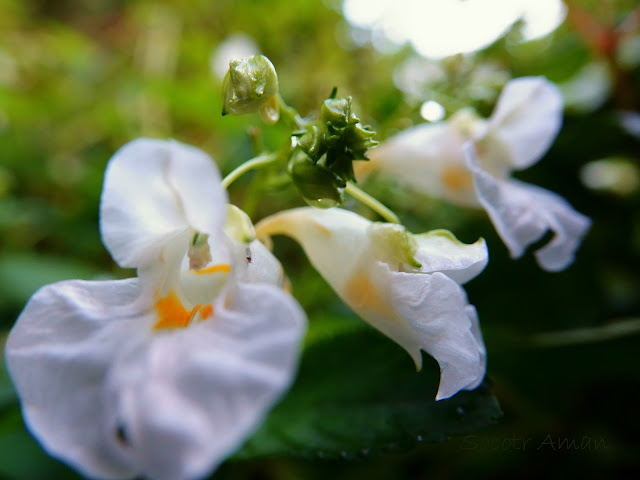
(222,267)
(228,301)
(363,293)
(286,286)
(322,228)
(172,313)
(457,178)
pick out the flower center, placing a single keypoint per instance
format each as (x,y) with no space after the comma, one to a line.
(172,314)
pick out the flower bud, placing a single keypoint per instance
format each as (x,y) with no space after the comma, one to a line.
(337,139)
(337,112)
(250,85)
(318,185)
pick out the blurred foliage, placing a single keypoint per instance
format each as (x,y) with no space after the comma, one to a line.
(79,79)
(364,406)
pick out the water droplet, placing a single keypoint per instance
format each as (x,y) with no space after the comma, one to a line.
(460,411)
(343,454)
(322,203)
(365,451)
(269,114)
(419,438)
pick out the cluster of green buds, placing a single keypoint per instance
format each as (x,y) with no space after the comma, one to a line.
(322,161)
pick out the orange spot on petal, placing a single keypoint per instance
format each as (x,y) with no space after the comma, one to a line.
(457,178)
(363,293)
(172,313)
(206,312)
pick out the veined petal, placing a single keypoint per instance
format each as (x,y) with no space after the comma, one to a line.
(429,158)
(154,190)
(58,355)
(526,119)
(441,251)
(186,400)
(444,325)
(522,213)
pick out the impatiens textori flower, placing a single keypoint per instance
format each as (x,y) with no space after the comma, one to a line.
(468,161)
(406,286)
(163,375)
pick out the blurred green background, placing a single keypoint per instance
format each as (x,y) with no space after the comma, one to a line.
(79,79)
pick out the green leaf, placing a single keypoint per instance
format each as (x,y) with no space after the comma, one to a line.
(21,457)
(7,393)
(22,274)
(357,393)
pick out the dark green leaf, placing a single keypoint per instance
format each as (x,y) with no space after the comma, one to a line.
(358,393)
(22,274)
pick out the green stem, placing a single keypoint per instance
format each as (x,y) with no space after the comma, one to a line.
(257,162)
(289,114)
(371,202)
(618,329)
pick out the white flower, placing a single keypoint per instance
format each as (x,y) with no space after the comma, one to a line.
(164,375)
(406,286)
(522,127)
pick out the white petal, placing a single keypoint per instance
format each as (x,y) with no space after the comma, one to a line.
(444,325)
(58,354)
(522,213)
(190,397)
(416,310)
(472,314)
(526,119)
(337,245)
(441,251)
(429,158)
(335,240)
(262,266)
(153,190)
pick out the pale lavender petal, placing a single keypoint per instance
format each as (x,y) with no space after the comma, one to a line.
(522,213)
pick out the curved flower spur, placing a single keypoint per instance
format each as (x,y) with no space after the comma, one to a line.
(166,374)
(407,286)
(468,161)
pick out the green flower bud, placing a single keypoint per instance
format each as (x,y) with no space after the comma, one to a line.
(337,112)
(313,142)
(319,187)
(251,85)
(337,138)
(359,139)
